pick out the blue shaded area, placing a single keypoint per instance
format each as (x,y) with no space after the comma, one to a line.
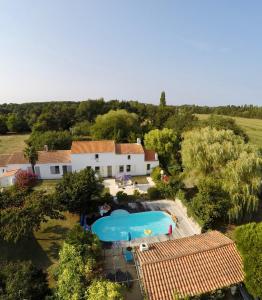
(118,227)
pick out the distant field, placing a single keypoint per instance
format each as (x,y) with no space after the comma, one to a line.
(12,142)
(253,127)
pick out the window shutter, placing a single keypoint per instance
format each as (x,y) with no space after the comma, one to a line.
(52,170)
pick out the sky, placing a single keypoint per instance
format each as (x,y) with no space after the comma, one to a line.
(198,52)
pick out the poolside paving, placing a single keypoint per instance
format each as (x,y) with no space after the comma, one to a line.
(113,257)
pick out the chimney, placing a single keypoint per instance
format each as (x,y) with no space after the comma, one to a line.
(138,141)
(46,148)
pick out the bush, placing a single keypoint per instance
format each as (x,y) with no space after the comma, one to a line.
(104,289)
(22,280)
(25,179)
(155,174)
(121,196)
(153,193)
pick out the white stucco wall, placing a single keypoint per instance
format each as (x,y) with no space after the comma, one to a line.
(45,169)
(7,181)
(136,161)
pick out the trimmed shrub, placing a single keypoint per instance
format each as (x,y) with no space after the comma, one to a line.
(121,196)
(153,193)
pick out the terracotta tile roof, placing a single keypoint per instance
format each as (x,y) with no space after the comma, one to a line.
(9,173)
(150,155)
(44,157)
(4,159)
(92,146)
(190,266)
(17,158)
(129,149)
(58,156)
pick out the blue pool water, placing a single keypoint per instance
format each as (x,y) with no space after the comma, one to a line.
(117,226)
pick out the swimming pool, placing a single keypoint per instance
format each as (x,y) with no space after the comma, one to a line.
(120,223)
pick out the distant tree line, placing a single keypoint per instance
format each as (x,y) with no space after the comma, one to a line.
(61,116)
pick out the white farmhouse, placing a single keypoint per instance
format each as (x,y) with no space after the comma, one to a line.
(107,158)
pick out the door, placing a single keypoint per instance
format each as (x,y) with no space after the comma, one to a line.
(37,172)
(109,171)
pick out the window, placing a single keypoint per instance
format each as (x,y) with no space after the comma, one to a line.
(128,156)
(67,169)
(128,168)
(121,169)
(55,170)
(97,169)
(148,167)
(96,156)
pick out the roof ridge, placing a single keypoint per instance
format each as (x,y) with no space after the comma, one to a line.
(230,242)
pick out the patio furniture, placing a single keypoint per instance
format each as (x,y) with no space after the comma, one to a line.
(128,255)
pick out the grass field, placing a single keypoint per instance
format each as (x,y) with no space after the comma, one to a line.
(253,127)
(12,142)
(46,185)
(42,249)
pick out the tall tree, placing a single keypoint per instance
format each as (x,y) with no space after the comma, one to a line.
(118,125)
(22,280)
(21,213)
(32,155)
(80,192)
(227,159)
(165,143)
(249,242)
(163,99)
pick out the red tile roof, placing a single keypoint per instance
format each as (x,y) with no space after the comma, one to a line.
(129,148)
(44,157)
(58,156)
(9,173)
(92,147)
(190,266)
(4,159)
(150,155)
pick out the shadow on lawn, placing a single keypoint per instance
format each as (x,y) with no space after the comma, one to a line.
(27,249)
(58,230)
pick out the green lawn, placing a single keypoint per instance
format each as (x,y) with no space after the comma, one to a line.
(139,179)
(10,143)
(46,185)
(42,249)
(253,127)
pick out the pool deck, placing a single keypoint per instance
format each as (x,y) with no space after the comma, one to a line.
(113,255)
(185,226)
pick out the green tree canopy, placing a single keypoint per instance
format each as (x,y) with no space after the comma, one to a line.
(220,122)
(71,274)
(55,140)
(22,280)
(80,192)
(163,99)
(22,212)
(208,150)
(165,143)
(81,129)
(103,289)
(225,157)
(181,121)
(249,242)
(118,125)
(32,155)
(16,123)
(3,126)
